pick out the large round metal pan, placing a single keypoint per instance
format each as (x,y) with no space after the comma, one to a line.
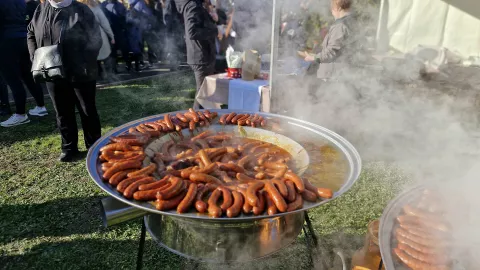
(308,130)
(388,224)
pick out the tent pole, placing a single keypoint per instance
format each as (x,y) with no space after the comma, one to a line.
(274,53)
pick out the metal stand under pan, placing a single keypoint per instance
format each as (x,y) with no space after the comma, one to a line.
(205,242)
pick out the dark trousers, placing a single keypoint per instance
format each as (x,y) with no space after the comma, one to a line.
(121,43)
(202,71)
(15,67)
(65,96)
(3,92)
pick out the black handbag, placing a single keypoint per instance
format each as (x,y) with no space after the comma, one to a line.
(47,65)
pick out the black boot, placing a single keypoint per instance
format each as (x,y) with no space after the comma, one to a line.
(68,156)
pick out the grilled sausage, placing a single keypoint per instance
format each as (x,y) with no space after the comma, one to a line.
(155,185)
(271,208)
(230,117)
(296,180)
(252,190)
(145,171)
(416,264)
(231,167)
(202,135)
(260,207)
(200,205)
(133,187)
(309,196)
(243,178)
(127,182)
(204,178)
(118,177)
(149,195)
(426,258)
(276,197)
(227,198)
(181,117)
(122,166)
(236,207)
(204,157)
(295,205)
(177,187)
(188,200)
(165,205)
(281,187)
(168,122)
(213,209)
(223,119)
(292,193)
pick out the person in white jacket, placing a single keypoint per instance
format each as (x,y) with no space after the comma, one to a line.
(105,30)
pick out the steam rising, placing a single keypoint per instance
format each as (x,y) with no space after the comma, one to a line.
(428,128)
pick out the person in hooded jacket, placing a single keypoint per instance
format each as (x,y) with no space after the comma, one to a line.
(76,26)
(200,34)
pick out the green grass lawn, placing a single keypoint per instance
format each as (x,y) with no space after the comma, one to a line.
(50,214)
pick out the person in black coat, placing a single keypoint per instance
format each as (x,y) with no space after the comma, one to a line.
(15,63)
(117,16)
(200,34)
(81,42)
(174,32)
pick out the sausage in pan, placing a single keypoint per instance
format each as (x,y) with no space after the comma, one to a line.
(149,195)
(276,197)
(133,187)
(252,190)
(145,171)
(122,166)
(237,205)
(165,205)
(271,208)
(213,209)
(296,180)
(295,205)
(260,207)
(204,178)
(416,264)
(292,193)
(227,198)
(155,185)
(177,186)
(127,182)
(188,200)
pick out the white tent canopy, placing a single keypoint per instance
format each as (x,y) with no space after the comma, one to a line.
(453,24)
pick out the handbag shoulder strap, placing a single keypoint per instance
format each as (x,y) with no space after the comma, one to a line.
(65,23)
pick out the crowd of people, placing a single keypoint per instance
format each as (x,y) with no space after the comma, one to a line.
(73,42)
(88,35)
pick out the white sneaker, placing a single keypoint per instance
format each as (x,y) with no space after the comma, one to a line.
(38,111)
(15,120)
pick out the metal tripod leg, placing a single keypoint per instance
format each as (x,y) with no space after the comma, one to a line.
(141,246)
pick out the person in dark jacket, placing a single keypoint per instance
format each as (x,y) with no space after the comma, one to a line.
(81,43)
(174,32)
(135,24)
(117,16)
(15,63)
(200,34)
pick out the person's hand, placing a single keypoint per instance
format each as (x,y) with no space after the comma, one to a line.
(310,58)
(112,42)
(220,36)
